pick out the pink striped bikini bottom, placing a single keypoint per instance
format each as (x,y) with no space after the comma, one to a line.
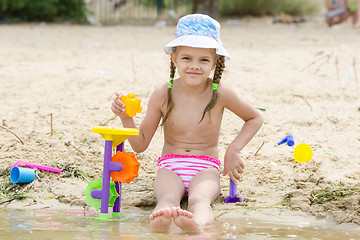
(186,167)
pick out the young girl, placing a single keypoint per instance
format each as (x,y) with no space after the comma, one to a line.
(190,110)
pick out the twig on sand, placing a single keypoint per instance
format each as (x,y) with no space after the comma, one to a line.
(9,201)
(313,62)
(320,65)
(5,128)
(51,124)
(30,204)
(299,96)
(71,143)
(325,61)
(103,124)
(337,65)
(354,66)
(30,135)
(221,214)
(37,176)
(316,60)
(260,148)
(133,67)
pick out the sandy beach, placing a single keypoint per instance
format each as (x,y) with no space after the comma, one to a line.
(304,79)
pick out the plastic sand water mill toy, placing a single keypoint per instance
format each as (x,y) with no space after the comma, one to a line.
(121,167)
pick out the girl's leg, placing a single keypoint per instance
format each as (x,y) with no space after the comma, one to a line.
(204,188)
(168,190)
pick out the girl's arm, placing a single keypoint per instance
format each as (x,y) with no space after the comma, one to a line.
(233,165)
(149,124)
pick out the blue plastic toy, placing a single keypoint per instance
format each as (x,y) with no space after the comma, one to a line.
(289,139)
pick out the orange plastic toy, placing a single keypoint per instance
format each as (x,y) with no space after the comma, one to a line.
(132,104)
(130,167)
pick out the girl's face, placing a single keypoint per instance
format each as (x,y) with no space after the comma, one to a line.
(194,65)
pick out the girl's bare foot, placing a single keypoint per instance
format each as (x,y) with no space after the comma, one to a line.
(185,220)
(160,220)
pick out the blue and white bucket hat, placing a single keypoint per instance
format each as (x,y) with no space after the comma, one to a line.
(200,31)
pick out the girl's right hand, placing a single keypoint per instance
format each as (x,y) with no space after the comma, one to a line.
(118,107)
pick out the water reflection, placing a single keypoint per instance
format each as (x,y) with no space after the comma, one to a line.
(50,224)
(255,229)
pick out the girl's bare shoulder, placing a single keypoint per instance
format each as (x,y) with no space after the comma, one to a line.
(159,94)
(161,90)
(226,93)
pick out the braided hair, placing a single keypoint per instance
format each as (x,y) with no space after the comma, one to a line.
(219,69)
(170,103)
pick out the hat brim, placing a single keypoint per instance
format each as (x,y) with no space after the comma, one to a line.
(197,42)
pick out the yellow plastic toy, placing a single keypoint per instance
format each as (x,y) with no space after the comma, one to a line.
(115,135)
(303,153)
(132,104)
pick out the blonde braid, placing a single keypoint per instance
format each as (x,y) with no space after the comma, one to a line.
(219,69)
(170,103)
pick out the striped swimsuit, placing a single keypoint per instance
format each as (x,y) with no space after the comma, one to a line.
(186,167)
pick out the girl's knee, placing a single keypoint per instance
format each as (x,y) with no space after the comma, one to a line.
(195,199)
(199,197)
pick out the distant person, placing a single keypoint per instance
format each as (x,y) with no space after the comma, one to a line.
(340,10)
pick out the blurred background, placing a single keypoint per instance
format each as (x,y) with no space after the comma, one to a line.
(149,11)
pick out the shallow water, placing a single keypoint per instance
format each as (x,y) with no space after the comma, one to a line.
(50,224)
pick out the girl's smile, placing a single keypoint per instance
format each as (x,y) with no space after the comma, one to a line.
(193,74)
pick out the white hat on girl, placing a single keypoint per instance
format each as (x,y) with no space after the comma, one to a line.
(200,31)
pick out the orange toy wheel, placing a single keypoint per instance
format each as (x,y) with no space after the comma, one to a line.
(130,167)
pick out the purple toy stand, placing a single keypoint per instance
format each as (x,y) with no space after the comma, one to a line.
(118,185)
(233,197)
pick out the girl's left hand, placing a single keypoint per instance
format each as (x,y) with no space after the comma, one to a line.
(233,165)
